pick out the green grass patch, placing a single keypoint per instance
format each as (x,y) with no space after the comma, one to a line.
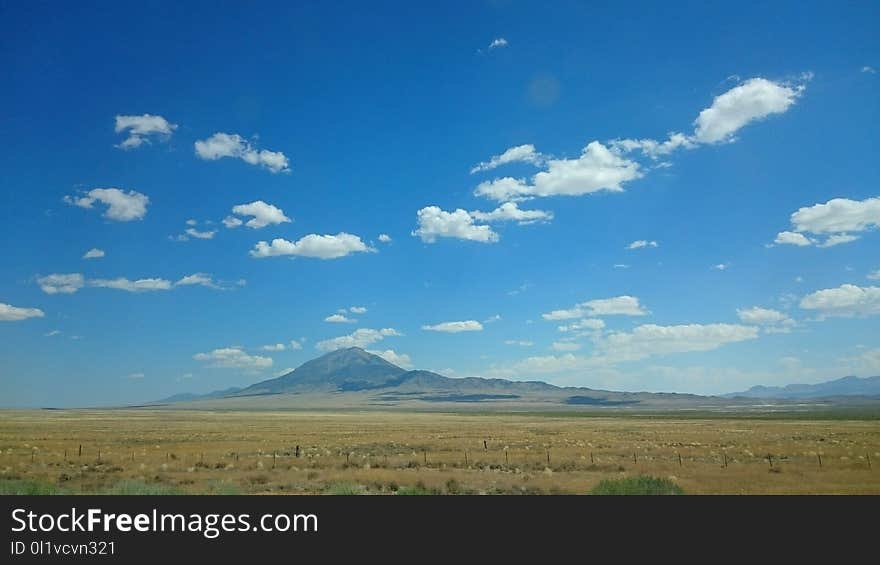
(135,487)
(22,486)
(637,485)
(344,489)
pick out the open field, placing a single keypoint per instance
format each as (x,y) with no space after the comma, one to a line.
(169,451)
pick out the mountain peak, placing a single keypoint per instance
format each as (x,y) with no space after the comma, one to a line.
(341,369)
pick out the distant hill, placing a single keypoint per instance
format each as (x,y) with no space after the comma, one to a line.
(187,396)
(846,386)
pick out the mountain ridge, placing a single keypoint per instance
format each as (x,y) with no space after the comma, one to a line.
(353,377)
(844,386)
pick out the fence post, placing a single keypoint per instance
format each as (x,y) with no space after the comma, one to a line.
(80,450)
(506,458)
(679,459)
(868,455)
(634,458)
(425,453)
(465,458)
(591,459)
(819,457)
(770,460)
(548,457)
(725,460)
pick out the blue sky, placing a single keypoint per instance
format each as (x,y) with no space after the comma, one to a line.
(681,198)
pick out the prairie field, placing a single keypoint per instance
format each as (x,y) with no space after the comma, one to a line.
(142,451)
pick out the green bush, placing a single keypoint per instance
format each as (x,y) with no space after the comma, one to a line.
(345,489)
(637,485)
(414,491)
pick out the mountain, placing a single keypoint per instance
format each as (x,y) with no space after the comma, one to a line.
(370,378)
(343,369)
(356,379)
(846,386)
(353,369)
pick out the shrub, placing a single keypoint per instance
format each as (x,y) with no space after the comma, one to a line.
(637,485)
(344,489)
(414,491)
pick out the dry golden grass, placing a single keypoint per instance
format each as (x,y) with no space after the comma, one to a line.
(254,452)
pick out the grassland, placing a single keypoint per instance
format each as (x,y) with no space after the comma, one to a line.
(213,452)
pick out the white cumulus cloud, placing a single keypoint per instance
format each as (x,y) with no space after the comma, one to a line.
(641,244)
(837,220)
(122,206)
(139,285)
(141,128)
(231,222)
(233,145)
(435,223)
(587,324)
(10,313)
(845,301)
(362,337)
(521,153)
(752,100)
(497,43)
(510,212)
(193,232)
(72,282)
(617,306)
(233,358)
(262,215)
(455,327)
(57,283)
(399,359)
(597,169)
(200,279)
(605,167)
(792,238)
(339,319)
(313,245)
(94,253)
(653,148)
(650,339)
